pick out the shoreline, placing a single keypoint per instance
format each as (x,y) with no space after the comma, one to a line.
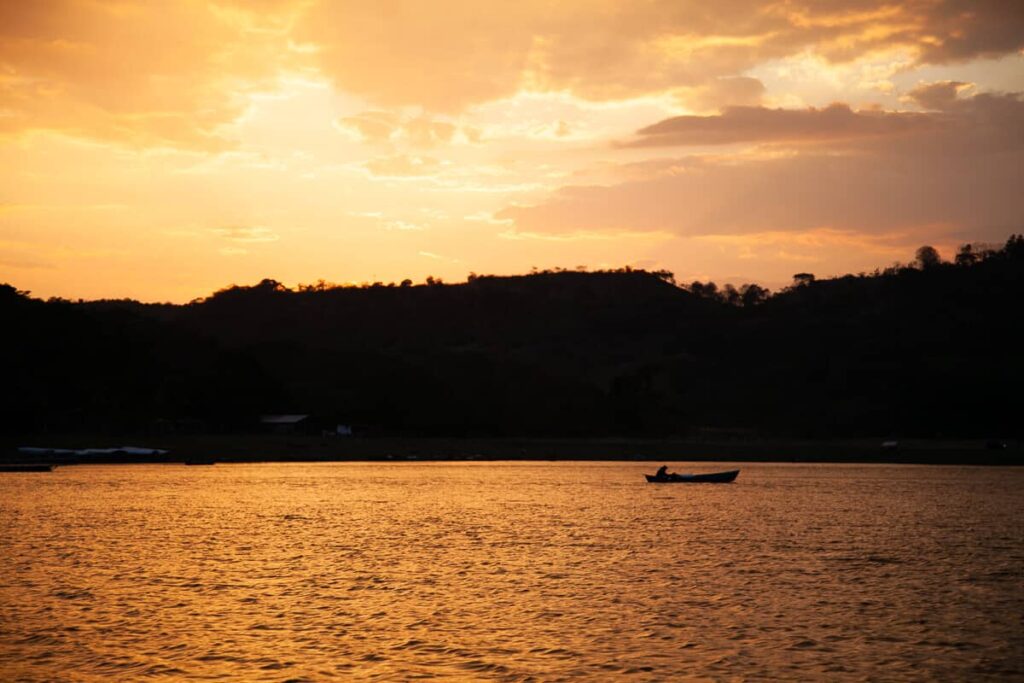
(300,448)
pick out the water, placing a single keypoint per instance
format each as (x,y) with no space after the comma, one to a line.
(510,571)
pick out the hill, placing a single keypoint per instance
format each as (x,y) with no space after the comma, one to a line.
(928,350)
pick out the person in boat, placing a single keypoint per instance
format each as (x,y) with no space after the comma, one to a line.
(662,472)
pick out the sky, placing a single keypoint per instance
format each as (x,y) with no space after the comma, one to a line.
(161,150)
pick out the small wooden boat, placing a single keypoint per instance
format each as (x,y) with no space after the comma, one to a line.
(26,468)
(711,478)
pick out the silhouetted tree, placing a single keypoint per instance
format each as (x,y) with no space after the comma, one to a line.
(9,292)
(1014,247)
(752,295)
(927,257)
(731,295)
(965,256)
(704,290)
(802,279)
(268,285)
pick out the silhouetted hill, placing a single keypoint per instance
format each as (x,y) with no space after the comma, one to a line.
(928,350)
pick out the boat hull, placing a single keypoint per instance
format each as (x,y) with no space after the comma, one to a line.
(712,478)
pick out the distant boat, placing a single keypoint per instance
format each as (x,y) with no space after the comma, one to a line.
(26,468)
(712,478)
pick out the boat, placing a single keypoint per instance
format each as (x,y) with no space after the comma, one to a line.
(710,478)
(26,468)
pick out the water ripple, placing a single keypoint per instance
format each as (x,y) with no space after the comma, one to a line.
(510,572)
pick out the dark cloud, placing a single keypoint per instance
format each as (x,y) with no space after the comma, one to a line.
(960,175)
(937,96)
(958,30)
(758,124)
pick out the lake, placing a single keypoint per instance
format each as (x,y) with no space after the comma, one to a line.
(510,571)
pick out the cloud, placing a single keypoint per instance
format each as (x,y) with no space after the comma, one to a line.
(140,73)
(458,53)
(758,124)
(960,174)
(370,126)
(167,73)
(384,127)
(243,233)
(738,91)
(403,166)
(958,30)
(937,96)
(28,263)
(403,226)
(425,132)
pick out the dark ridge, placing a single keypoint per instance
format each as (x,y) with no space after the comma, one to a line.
(929,350)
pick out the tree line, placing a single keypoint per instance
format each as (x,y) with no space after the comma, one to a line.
(926,348)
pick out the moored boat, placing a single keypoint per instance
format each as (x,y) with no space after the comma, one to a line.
(26,468)
(710,478)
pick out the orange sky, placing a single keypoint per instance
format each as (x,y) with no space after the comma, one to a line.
(162,150)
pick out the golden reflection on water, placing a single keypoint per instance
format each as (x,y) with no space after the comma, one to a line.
(510,571)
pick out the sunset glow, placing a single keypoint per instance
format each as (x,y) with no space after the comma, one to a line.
(163,150)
